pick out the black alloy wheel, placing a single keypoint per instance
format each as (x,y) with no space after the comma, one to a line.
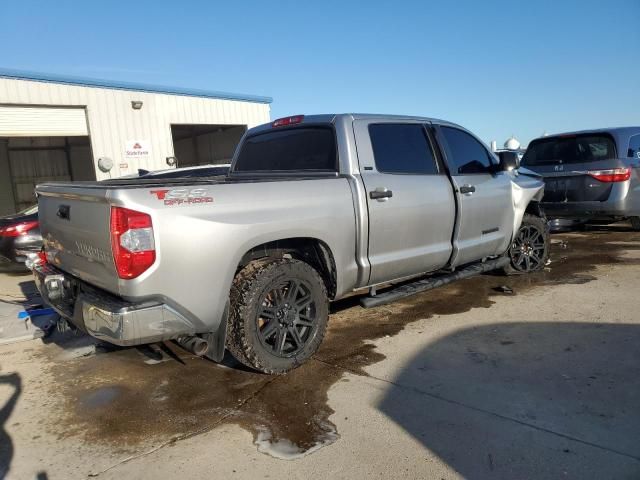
(529,250)
(287,318)
(279,310)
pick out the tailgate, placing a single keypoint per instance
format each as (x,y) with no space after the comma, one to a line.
(568,163)
(575,187)
(74,222)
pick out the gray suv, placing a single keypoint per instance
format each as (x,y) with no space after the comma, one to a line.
(590,175)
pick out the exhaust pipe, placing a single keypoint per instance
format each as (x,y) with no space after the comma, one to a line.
(196,345)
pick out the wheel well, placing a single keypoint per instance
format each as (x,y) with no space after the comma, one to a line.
(310,250)
(534,208)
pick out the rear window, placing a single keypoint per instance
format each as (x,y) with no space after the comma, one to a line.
(306,149)
(570,149)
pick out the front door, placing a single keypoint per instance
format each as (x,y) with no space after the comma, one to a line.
(485,205)
(410,200)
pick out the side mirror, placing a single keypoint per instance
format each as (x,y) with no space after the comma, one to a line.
(508,160)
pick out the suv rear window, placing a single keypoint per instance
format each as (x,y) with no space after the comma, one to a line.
(570,149)
(306,149)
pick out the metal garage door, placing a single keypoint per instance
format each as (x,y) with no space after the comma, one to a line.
(36,160)
(42,121)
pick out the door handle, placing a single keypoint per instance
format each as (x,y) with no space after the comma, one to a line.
(468,189)
(381,194)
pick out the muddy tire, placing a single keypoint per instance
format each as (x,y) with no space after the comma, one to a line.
(529,250)
(635,223)
(278,316)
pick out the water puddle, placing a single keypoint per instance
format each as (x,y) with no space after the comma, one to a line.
(100,397)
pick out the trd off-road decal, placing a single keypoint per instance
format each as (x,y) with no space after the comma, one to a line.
(183,196)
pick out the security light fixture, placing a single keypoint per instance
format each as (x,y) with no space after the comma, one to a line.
(105,164)
(171,161)
(136,104)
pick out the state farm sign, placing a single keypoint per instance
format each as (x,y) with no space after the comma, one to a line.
(137,149)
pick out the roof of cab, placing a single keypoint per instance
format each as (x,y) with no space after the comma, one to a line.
(332,117)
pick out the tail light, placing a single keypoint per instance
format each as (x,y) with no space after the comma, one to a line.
(18,229)
(132,242)
(282,122)
(610,176)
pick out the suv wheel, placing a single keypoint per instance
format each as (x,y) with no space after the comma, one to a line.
(529,251)
(278,316)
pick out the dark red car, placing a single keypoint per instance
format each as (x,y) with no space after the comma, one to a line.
(19,237)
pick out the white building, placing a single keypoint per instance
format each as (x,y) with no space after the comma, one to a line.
(62,128)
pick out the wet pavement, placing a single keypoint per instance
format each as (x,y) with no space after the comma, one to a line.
(17,292)
(124,398)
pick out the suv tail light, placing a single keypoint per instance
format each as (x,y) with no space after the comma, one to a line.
(282,122)
(18,229)
(132,242)
(610,176)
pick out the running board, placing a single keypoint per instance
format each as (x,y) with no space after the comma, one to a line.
(432,282)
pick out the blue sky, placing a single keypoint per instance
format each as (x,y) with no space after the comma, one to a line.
(496,67)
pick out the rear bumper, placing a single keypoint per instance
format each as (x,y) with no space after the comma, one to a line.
(18,249)
(587,210)
(108,317)
(8,264)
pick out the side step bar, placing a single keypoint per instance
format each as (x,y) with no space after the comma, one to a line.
(432,282)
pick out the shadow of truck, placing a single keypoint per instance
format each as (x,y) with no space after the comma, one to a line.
(526,400)
(6,444)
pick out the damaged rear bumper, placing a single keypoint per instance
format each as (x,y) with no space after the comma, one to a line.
(106,316)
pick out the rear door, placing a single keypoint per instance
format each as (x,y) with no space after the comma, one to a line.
(485,205)
(410,199)
(570,166)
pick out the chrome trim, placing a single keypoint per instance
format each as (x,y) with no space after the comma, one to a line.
(112,319)
(134,326)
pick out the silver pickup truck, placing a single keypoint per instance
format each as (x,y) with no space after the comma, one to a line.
(313,209)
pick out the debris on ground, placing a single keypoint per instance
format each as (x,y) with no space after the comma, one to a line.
(504,289)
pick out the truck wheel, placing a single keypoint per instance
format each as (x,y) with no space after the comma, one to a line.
(278,316)
(635,223)
(529,251)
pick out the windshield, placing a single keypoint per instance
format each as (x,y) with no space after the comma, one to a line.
(290,150)
(570,149)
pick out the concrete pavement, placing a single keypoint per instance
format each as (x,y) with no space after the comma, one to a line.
(461,382)
(17,292)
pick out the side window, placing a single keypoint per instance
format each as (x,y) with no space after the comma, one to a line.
(402,148)
(469,155)
(634,147)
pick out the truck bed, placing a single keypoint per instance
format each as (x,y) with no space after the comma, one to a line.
(236,214)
